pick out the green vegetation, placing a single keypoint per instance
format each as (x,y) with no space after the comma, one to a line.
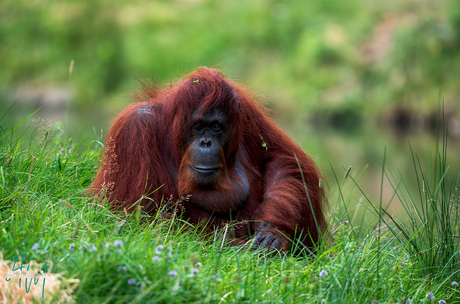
(352,57)
(121,258)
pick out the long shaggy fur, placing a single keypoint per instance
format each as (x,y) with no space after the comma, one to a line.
(145,147)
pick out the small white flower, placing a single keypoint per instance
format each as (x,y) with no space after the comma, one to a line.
(107,245)
(156,259)
(158,249)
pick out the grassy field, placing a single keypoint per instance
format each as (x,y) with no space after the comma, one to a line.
(95,256)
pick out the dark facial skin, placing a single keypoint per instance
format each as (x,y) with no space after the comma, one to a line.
(208,137)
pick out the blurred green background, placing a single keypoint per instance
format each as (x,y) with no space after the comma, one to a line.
(344,78)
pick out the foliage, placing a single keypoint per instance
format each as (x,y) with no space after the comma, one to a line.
(434,214)
(316,55)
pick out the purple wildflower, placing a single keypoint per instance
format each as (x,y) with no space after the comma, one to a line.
(409,301)
(454,283)
(156,259)
(173,273)
(131,281)
(123,269)
(198,264)
(118,243)
(72,246)
(119,251)
(323,273)
(107,245)
(140,266)
(139,283)
(84,248)
(35,246)
(194,271)
(93,248)
(442,302)
(430,295)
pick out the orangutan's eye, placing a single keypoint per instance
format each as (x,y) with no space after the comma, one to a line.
(198,127)
(216,127)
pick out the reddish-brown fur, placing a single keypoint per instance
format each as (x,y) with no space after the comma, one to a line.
(144,151)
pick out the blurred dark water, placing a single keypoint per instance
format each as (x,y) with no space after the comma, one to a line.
(378,156)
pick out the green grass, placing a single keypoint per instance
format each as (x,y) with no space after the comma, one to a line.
(44,213)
